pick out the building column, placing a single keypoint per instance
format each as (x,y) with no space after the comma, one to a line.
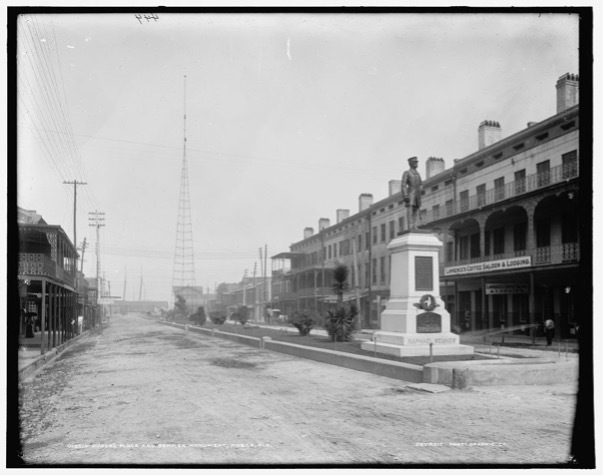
(531,305)
(473,306)
(43,320)
(483,304)
(531,240)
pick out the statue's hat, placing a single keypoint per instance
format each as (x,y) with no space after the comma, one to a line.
(411,158)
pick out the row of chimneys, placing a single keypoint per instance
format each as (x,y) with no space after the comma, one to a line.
(489,132)
(567,95)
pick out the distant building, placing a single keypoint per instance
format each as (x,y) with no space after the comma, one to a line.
(507,216)
(193,295)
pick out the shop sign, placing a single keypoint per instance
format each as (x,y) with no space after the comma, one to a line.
(506,288)
(488,266)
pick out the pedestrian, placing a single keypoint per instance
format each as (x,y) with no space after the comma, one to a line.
(549,330)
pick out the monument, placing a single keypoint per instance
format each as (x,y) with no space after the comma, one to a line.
(415,321)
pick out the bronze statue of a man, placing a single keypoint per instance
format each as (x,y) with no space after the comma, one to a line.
(411,188)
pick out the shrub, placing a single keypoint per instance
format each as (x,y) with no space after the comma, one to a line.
(199,317)
(242,315)
(340,323)
(217,317)
(303,321)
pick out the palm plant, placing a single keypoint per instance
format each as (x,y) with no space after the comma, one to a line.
(340,283)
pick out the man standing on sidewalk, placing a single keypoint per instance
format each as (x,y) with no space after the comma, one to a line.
(549,330)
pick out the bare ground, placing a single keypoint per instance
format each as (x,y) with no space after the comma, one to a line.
(144,393)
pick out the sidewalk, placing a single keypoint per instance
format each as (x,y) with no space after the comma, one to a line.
(518,345)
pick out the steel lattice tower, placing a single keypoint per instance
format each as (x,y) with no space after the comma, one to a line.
(184,261)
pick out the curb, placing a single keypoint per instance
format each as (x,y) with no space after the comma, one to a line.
(30,369)
(384,368)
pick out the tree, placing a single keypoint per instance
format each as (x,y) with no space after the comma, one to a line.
(340,322)
(304,321)
(199,317)
(180,304)
(340,283)
(242,314)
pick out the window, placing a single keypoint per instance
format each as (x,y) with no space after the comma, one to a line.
(519,146)
(392,229)
(367,241)
(487,242)
(570,228)
(449,251)
(382,270)
(329,251)
(464,201)
(545,135)
(435,212)
(569,165)
(481,195)
(542,229)
(500,188)
(373,271)
(475,245)
(434,188)
(449,207)
(463,247)
(498,155)
(359,243)
(374,233)
(520,181)
(543,177)
(499,241)
(401,224)
(520,236)
(383,232)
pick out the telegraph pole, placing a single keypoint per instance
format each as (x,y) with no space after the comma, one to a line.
(97,218)
(75,244)
(84,244)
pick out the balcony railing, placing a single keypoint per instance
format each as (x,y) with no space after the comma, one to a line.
(528,184)
(37,264)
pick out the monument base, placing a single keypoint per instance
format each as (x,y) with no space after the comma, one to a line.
(416,344)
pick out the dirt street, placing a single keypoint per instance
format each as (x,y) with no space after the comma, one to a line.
(144,393)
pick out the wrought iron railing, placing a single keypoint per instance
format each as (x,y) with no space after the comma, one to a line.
(38,264)
(494,195)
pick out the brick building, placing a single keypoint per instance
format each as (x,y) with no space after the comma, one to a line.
(507,215)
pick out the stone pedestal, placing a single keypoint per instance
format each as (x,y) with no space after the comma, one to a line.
(415,315)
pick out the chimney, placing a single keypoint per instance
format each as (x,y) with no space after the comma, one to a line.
(567,91)
(489,132)
(365,201)
(434,166)
(308,232)
(394,186)
(323,223)
(342,214)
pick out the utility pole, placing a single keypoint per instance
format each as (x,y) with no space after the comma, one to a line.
(125,278)
(83,250)
(97,218)
(140,290)
(75,244)
(75,184)
(255,290)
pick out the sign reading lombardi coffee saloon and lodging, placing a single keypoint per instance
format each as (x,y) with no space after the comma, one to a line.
(487,266)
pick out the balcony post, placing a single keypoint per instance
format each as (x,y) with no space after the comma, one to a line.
(43,321)
(532,306)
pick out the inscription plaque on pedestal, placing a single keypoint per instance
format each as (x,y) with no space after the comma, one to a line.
(423,273)
(428,322)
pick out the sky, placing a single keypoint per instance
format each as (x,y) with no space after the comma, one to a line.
(289,117)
